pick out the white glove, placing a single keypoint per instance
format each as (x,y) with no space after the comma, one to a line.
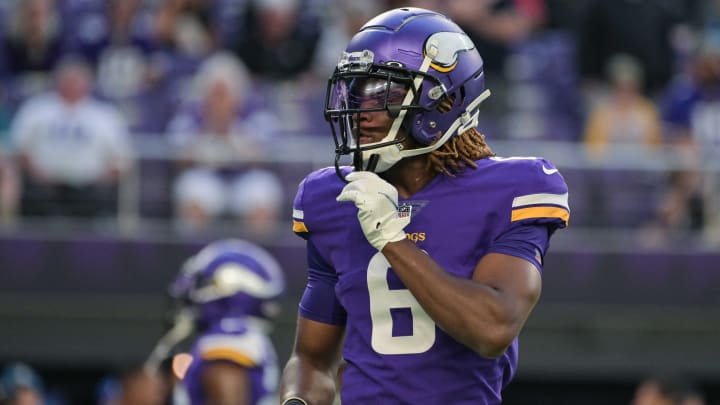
(377,202)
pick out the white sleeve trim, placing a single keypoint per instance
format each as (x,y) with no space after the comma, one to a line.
(541,199)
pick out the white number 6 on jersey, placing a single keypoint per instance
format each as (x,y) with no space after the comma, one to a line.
(382,300)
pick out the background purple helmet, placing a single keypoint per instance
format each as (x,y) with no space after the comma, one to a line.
(427,54)
(230,278)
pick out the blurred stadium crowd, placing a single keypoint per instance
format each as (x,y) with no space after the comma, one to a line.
(181,108)
(202,115)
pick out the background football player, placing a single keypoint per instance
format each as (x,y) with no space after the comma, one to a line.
(229,293)
(424,283)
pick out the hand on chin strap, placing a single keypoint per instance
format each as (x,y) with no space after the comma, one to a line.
(377,203)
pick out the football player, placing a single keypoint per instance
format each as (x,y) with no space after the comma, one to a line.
(425,258)
(229,290)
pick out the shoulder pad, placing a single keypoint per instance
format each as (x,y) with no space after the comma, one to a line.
(540,192)
(315,192)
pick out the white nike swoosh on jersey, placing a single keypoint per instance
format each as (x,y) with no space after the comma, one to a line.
(549,171)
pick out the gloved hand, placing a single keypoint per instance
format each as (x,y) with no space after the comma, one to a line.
(377,202)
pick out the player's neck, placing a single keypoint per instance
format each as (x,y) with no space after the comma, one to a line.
(410,175)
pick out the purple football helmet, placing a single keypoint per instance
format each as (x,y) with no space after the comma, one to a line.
(230,279)
(405,61)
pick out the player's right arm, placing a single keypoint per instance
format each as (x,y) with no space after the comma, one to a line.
(311,372)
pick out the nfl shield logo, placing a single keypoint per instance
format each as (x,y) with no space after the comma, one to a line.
(404,210)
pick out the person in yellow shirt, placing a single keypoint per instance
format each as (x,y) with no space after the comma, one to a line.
(626,116)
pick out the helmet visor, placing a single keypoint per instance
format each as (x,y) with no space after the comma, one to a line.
(348,94)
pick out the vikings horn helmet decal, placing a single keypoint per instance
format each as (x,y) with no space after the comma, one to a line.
(230,278)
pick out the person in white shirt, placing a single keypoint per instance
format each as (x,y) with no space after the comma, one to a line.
(72,148)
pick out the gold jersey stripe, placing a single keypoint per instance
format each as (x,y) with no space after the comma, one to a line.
(229,354)
(540,212)
(299,226)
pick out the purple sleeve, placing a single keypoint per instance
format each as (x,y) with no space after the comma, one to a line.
(319,301)
(298,216)
(529,242)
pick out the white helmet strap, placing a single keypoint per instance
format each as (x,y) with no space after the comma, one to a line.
(391,154)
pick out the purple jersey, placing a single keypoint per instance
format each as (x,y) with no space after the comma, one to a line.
(395,352)
(239,342)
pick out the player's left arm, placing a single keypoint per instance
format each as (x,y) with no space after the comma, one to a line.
(485,312)
(226,383)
